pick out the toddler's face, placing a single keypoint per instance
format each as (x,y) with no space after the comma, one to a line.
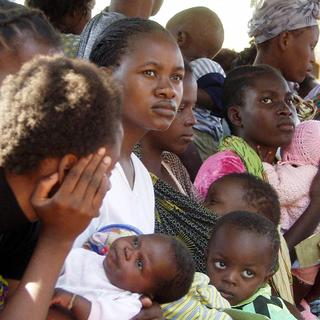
(238,263)
(135,263)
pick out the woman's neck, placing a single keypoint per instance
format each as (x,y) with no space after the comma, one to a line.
(151,157)
(266,58)
(132,135)
(266,154)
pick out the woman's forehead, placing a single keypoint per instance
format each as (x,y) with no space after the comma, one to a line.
(270,82)
(154,48)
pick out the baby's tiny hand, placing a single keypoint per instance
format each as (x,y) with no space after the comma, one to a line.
(150,310)
(61,297)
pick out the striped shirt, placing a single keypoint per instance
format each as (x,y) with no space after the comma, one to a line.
(201,302)
(210,77)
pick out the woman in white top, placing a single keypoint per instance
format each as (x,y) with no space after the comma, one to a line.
(147,62)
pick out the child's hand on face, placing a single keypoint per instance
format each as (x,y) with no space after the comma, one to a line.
(68,212)
(62,298)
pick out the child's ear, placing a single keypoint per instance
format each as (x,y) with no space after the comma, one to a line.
(182,39)
(234,115)
(66,163)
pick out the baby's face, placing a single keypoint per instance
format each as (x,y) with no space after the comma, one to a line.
(226,195)
(135,263)
(238,263)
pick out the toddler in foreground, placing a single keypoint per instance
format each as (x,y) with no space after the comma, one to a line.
(243,191)
(100,287)
(242,257)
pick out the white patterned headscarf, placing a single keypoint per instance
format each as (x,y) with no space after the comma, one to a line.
(271,17)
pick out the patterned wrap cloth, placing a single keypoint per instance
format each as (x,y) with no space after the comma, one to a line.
(271,17)
(186,219)
(3,291)
(179,214)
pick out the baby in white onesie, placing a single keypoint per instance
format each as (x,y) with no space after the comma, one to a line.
(109,287)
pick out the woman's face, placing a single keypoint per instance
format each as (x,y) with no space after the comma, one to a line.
(151,74)
(267,114)
(299,56)
(179,135)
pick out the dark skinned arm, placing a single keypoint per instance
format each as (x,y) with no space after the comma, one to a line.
(80,308)
(150,310)
(63,217)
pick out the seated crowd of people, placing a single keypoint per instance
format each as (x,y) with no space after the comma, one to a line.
(147,174)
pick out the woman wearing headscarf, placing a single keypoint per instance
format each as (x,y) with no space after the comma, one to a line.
(286,33)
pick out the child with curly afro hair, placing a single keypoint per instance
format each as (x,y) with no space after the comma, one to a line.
(58,116)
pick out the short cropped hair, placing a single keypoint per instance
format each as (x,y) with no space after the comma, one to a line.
(16,19)
(183,269)
(117,38)
(257,194)
(54,106)
(237,82)
(205,19)
(253,223)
